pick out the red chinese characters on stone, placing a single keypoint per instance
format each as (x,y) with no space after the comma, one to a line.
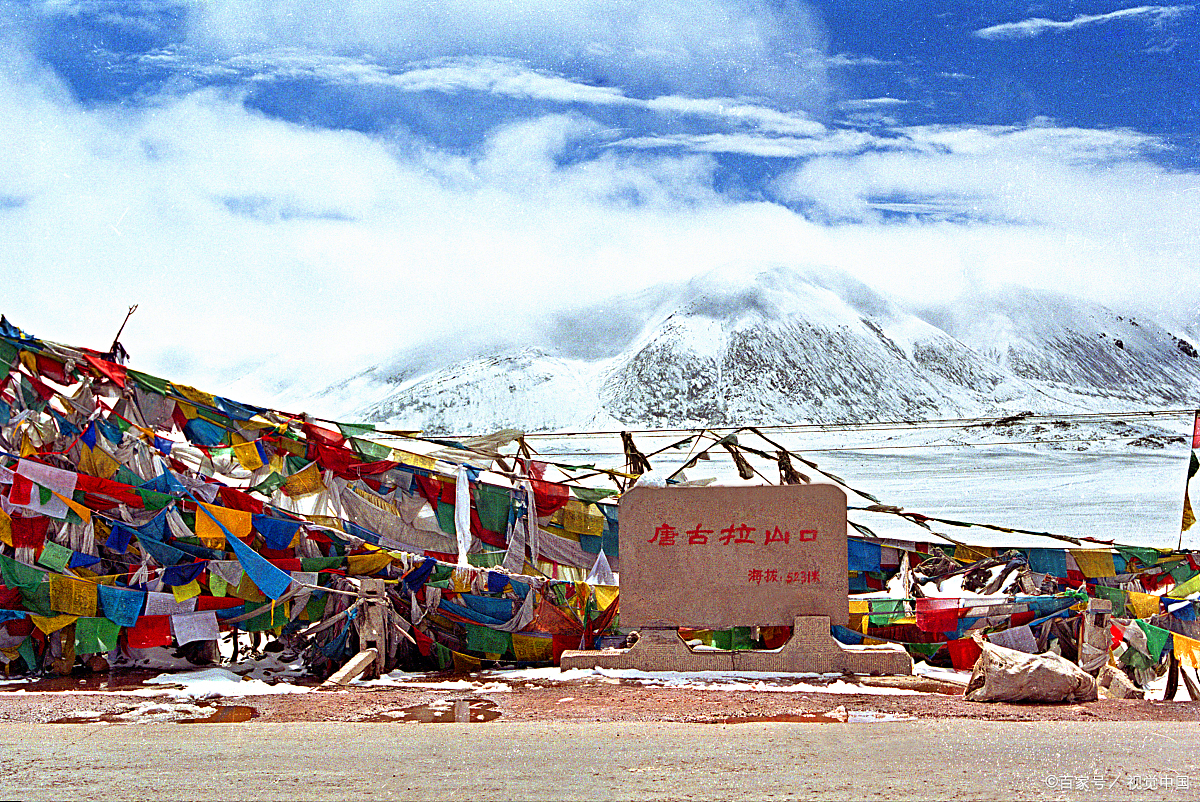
(741,532)
(777,535)
(664,535)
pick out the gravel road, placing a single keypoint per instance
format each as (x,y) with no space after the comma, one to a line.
(922,759)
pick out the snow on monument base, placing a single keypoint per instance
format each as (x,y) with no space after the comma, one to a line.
(811,649)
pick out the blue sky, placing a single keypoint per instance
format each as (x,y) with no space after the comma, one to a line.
(317,185)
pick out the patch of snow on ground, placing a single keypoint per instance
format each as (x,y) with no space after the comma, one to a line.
(956,676)
(214,683)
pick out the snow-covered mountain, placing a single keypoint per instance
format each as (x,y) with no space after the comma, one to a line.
(784,346)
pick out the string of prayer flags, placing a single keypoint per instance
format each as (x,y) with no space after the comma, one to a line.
(269,579)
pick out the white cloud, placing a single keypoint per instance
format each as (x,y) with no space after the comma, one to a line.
(1065,209)
(247,239)
(857,60)
(707,47)
(1036,26)
(749,144)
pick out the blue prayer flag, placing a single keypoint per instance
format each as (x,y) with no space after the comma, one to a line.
(277,533)
(121,605)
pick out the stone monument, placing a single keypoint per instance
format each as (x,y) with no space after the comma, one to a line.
(720,557)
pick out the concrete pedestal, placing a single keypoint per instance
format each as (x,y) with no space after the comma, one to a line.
(811,649)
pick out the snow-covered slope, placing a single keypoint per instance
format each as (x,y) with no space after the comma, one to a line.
(785,346)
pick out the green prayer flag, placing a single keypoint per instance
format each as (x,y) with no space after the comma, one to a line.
(445,517)
(152,383)
(270,484)
(1144,556)
(488,640)
(8,353)
(492,504)
(20,575)
(54,556)
(37,599)
(370,450)
(316,607)
(26,652)
(1180,570)
(264,620)
(925,649)
(443,656)
(883,611)
(1156,639)
(153,499)
(591,495)
(441,572)
(486,559)
(94,635)
(1114,595)
(355,429)
(127,477)
(310,564)
(45,494)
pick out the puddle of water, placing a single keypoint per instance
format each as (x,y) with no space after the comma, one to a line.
(225,714)
(181,714)
(117,680)
(444,711)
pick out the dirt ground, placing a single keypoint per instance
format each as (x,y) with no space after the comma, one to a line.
(486,698)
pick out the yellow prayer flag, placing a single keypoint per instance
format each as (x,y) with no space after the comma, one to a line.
(72,596)
(415,460)
(365,564)
(1185,589)
(1094,562)
(239,523)
(247,455)
(28,449)
(29,360)
(465,664)
(80,510)
(532,648)
(1187,650)
(605,595)
(52,623)
(184,592)
(196,396)
(5,529)
(970,554)
(97,462)
(304,482)
(583,591)
(859,611)
(1141,605)
(581,518)
(461,580)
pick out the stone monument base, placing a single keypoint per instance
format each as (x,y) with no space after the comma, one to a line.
(811,649)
